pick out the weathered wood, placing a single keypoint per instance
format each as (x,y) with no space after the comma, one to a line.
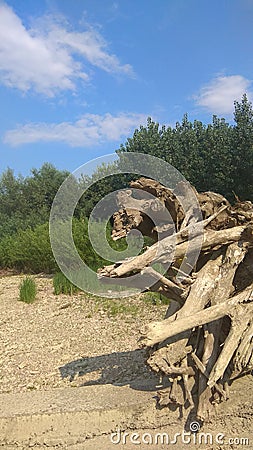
(208,358)
(165,358)
(234,255)
(166,286)
(203,370)
(211,308)
(142,214)
(239,324)
(166,195)
(211,239)
(244,351)
(161,251)
(159,331)
(209,203)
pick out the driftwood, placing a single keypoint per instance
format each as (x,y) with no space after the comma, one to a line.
(206,338)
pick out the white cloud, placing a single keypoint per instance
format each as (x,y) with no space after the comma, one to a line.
(91,46)
(51,58)
(90,130)
(219,95)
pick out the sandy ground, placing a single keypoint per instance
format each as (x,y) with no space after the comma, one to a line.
(61,341)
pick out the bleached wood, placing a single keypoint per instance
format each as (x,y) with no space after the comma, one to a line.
(239,325)
(210,315)
(159,331)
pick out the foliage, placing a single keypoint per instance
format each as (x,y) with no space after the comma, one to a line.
(217,156)
(98,186)
(26,202)
(242,170)
(27,290)
(28,250)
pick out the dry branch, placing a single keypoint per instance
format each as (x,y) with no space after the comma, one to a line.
(159,331)
(166,250)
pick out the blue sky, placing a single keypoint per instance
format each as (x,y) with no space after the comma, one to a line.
(77,77)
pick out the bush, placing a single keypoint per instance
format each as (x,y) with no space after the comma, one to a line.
(63,286)
(28,251)
(27,290)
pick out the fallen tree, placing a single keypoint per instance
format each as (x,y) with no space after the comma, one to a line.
(206,339)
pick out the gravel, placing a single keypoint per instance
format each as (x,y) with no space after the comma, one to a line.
(61,341)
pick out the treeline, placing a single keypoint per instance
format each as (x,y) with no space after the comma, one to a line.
(216,156)
(25,204)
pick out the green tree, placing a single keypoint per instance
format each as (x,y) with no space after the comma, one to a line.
(242,170)
(217,156)
(28,250)
(151,139)
(97,186)
(41,188)
(10,192)
(26,202)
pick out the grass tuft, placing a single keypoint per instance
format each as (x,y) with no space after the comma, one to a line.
(63,286)
(27,290)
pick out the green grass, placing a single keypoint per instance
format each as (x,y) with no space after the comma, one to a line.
(115,307)
(155,298)
(111,307)
(27,290)
(63,286)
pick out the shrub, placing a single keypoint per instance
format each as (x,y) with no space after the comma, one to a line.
(28,250)
(27,290)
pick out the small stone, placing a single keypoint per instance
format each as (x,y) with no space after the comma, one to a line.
(22,365)
(65,305)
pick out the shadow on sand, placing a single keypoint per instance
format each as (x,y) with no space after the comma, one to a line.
(119,368)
